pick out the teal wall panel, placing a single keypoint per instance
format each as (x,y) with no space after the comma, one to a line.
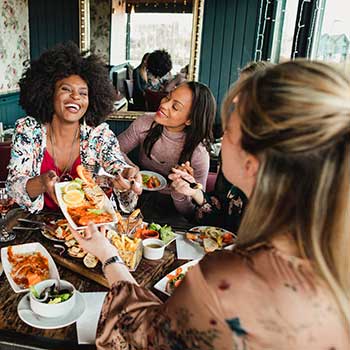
(10,110)
(228,42)
(52,22)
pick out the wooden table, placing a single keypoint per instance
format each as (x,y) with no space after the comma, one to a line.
(16,333)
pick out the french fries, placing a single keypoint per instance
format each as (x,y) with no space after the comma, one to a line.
(130,249)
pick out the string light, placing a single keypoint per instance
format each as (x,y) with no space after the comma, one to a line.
(299,27)
(261,32)
(318,10)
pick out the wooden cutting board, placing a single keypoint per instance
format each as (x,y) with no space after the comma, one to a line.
(147,273)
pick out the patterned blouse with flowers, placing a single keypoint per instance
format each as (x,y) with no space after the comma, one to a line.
(98,147)
(261,298)
(223,207)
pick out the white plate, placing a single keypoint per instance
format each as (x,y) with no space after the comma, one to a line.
(161,178)
(161,285)
(29,317)
(108,207)
(26,248)
(199,229)
(172,240)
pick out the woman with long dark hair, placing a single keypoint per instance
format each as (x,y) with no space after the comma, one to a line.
(180,131)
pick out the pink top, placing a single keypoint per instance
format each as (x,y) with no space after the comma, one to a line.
(260,298)
(49,164)
(165,155)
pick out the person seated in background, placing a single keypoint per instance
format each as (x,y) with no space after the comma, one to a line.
(139,76)
(285,284)
(66,95)
(180,131)
(180,78)
(224,206)
(159,65)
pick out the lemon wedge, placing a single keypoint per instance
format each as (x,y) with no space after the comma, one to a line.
(73,198)
(73,185)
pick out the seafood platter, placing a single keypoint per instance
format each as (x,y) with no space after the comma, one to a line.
(82,201)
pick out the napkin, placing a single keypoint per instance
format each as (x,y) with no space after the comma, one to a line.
(188,251)
(87,322)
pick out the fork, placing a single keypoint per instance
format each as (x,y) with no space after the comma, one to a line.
(102,172)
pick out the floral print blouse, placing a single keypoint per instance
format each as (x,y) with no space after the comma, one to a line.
(223,207)
(156,83)
(98,147)
(261,298)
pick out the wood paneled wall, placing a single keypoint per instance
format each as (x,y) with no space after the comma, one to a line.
(10,110)
(228,42)
(52,22)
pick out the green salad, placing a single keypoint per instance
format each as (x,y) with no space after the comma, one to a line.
(165,232)
(54,296)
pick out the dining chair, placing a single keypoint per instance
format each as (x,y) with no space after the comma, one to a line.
(153,98)
(5,155)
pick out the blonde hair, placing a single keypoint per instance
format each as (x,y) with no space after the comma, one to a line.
(255,66)
(295,117)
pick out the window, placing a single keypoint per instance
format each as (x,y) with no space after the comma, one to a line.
(332,35)
(169,31)
(286,13)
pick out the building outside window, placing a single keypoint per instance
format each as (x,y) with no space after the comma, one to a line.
(332,39)
(169,31)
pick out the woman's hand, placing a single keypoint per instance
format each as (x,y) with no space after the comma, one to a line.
(45,183)
(179,185)
(48,181)
(129,179)
(95,242)
(186,167)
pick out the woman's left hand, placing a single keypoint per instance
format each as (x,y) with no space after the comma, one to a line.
(95,242)
(129,179)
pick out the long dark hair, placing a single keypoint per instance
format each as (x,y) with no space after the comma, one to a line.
(202,115)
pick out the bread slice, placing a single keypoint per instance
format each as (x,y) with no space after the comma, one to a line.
(76,252)
(90,261)
(95,195)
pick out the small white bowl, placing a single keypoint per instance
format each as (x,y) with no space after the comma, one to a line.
(52,310)
(153,248)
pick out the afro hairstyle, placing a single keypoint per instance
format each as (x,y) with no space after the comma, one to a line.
(159,63)
(37,84)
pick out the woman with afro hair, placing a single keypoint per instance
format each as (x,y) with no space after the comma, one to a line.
(66,95)
(159,65)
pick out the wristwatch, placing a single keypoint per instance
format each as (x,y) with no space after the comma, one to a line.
(112,260)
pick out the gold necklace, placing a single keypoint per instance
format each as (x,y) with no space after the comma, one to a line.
(68,167)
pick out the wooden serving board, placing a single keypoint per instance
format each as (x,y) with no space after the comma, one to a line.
(147,273)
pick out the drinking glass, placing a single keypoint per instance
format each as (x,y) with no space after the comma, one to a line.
(6,203)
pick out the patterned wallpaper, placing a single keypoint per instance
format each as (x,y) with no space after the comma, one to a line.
(14,42)
(100,24)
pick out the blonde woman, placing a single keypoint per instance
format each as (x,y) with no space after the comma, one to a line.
(286,284)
